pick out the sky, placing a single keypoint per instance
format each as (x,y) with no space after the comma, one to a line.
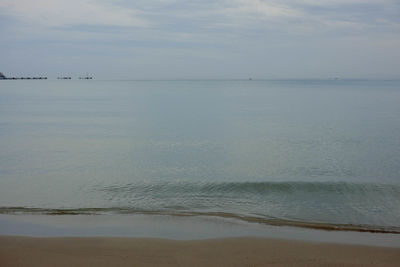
(201,39)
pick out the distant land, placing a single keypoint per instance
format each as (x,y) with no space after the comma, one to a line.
(3,77)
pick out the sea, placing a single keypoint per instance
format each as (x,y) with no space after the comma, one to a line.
(310,153)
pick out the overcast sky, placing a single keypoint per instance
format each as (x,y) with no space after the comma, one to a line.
(158,39)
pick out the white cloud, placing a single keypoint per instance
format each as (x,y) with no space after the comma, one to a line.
(266,9)
(195,21)
(185,15)
(268,36)
(338,2)
(63,13)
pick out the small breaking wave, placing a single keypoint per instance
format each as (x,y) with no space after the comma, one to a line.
(254,187)
(365,207)
(227,215)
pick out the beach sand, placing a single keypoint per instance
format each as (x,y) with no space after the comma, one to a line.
(108,251)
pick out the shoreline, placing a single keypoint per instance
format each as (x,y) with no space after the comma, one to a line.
(244,251)
(226,215)
(178,228)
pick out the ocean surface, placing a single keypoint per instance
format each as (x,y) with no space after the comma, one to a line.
(311,153)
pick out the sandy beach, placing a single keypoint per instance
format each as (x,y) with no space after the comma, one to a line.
(99,251)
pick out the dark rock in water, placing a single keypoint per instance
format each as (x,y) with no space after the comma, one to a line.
(87,77)
(3,77)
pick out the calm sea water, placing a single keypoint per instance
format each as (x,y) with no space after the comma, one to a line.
(289,152)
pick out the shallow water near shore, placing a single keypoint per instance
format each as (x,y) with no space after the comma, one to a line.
(177,228)
(306,153)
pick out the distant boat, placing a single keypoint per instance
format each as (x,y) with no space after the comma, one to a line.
(64,78)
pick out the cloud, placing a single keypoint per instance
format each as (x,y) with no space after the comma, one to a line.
(338,2)
(264,9)
(194,16)
(53,13)
(219,33)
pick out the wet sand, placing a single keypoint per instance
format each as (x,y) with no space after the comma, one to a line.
(109,251)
